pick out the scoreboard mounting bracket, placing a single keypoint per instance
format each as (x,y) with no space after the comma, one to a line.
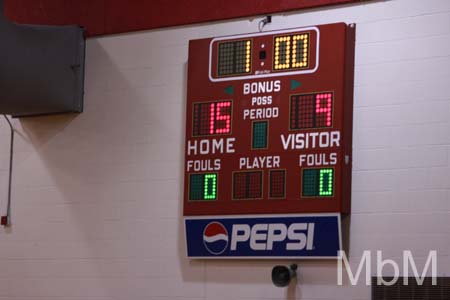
(268,149)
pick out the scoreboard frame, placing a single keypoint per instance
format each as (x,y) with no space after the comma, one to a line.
(201,75)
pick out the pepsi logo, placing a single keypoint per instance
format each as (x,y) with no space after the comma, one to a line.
(215,238)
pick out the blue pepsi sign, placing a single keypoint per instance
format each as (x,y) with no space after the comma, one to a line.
(288,236)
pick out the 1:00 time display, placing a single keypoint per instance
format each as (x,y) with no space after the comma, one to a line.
(290,52)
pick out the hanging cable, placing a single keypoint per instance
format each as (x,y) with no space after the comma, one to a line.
(264,22)
(6,220)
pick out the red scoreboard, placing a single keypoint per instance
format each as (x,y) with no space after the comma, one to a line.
(269,122)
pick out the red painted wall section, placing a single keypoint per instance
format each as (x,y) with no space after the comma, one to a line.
(101,17)
(87,13)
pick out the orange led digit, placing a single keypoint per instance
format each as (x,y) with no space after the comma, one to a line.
(291,52)
(300,51)
(234,58)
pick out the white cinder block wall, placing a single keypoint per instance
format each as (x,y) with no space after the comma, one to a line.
(97,196)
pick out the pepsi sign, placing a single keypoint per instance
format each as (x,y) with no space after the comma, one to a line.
(291,236)
(215,238)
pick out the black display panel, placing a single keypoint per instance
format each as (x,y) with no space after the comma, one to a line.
(234,58)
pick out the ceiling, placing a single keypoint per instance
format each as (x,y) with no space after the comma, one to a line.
(102,17)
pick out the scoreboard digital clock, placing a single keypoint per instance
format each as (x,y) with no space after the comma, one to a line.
(268,134)
(247,56)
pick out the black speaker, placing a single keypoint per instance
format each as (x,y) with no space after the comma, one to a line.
(282,275)
(41,68)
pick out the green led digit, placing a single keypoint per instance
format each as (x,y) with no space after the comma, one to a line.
(196,187)
(310,177)
(210,187)
(326,182)
(259,135)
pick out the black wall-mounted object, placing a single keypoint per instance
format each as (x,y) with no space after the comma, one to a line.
(41,68)
(282,275)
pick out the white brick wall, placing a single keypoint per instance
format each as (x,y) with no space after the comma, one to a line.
(97,196)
